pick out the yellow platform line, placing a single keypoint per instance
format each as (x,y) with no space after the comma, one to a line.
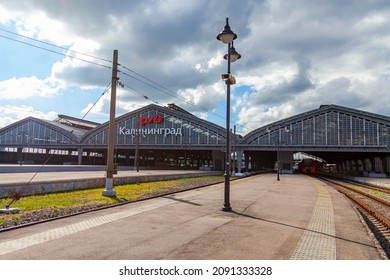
(318,240)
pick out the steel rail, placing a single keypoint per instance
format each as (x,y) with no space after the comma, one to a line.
(366,207)
(362,204)
(378,199)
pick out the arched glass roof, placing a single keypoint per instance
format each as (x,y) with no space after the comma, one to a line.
(160,126)
(36,132)
(327,126)
(330,127)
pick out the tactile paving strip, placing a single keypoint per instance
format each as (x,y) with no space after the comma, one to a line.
(38,238)
(318,240)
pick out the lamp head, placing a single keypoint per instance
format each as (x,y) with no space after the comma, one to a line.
(233,54)
(226,35)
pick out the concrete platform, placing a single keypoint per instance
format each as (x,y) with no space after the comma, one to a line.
(13,178)
(381,182)
(297,217)
(11,174)
(32,183)
(30,168)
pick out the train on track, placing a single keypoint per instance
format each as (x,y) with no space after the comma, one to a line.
(374,165)
(312,166)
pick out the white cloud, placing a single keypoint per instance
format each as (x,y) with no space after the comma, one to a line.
(23,88)
(215,61)
(373,20)
(37,24)
(6,15)
(204,97)
(100,106)
(296,55)
(203,116)
(10,114)
(251,118)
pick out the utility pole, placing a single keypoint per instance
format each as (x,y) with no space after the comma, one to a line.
(111,130)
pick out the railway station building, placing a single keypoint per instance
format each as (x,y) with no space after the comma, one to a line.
(170,137)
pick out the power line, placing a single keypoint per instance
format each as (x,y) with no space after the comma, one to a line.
(129,88)
(142,78)
(163,89)
(93,105)
(169,92)
(56,52)
(56,46)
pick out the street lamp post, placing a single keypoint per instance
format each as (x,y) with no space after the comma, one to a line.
(286,129)
(278,161)
(227,36)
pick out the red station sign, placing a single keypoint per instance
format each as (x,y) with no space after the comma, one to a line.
(155,119)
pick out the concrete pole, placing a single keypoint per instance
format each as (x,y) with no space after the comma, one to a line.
(111,130)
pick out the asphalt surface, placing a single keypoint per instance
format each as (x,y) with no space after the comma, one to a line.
(269,218)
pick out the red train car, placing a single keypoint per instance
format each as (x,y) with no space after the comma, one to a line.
(309,166)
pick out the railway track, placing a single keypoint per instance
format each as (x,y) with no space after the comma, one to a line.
(373,206)
(366,186)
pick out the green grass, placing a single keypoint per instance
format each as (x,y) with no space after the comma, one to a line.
(94,197)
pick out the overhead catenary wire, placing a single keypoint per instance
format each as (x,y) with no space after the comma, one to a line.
(152,101)
(133,90)
(169,92)
(140,78)
(161,88)
(56,46)
(157,88)
(93,105)
(55,52)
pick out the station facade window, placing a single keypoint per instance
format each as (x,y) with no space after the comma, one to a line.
(175,137)
(154,127)
(33,133)
(328,129)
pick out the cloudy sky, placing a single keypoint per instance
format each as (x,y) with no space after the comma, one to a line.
(55,57)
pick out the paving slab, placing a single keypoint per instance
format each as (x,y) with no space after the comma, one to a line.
(269,221)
